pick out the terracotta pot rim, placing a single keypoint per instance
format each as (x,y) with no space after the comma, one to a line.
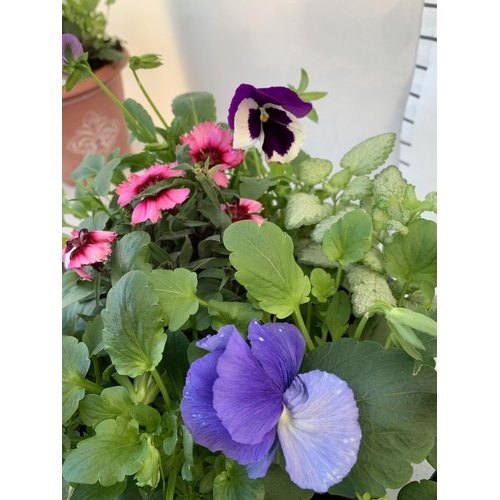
(106,74)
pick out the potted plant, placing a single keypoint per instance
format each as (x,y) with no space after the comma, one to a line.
(91,122)
(242,320)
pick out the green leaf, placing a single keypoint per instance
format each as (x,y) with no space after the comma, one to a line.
(131,253)
(432,456)
(374,260)
(397,411)
(91,165)
(369,155)
(314,171)
(75,289)
(390,188)
(419,490)
(278,486)
(414,320)
(103,178)
(313,115)
(312,96)
(177,293)
(412,258)
(98,492)
(234,484)
(338,314)
(239,314)
(323,286)
(175,360)
(75,365)
(146,416)
(169,426)
(323,226)
(133,325)
(114,452)
(215,214)
(253,188)
(148,130)
(304,81)
(312,254)
(359,187)
(111,403)
(265,263)
(303,210)
(199,107)
(367,286)
(149,474)
(93,336)
(349,238)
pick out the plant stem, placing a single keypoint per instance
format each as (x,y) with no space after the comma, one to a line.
(309,314)
(163,389)
(119,104)
(403,293)
(337,278)
(388,341)
(202,302)
(172,478)
(97,372)
(149,100)
(361,326)
(297,317)
(90,386)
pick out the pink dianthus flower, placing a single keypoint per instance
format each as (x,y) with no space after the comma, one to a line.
(87,248)
(212,142)
(244,209)
(151,206)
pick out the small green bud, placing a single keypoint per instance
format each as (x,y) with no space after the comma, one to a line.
(147,61)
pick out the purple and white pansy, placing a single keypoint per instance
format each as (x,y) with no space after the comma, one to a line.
(245,400)
(270,115)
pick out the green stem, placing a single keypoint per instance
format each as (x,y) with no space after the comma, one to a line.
(361,326)
(149,100)
(163,389)
(119,104)
(388,341)
(90,386)
(97,372)
(202,302)
(337,278)
(172,478)
(403,293)
(309,314)
(297,317)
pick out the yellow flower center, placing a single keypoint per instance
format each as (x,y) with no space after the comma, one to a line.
(263,115)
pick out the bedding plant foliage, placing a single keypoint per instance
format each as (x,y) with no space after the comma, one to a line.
(242,320)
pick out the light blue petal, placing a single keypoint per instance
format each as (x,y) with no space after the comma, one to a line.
(319,430)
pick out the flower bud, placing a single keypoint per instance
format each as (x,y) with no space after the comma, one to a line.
(147,61)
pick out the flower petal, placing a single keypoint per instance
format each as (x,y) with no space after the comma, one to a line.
(169,198)
(201,418)
(247,400)
(259,469)
(244,91)
(281,142)
(247,124)
(220,178)
(279,348)
(285,98)
(146,209)
(218,341)
(319,430)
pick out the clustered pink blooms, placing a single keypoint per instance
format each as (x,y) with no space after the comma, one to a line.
(151,206)
(211,142)
(245,209)
(87,248)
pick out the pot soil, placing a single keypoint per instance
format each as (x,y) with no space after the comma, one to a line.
(91,122)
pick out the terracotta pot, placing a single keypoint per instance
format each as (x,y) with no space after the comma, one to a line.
(91,121)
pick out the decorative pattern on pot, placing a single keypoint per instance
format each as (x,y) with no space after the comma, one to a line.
(96,135)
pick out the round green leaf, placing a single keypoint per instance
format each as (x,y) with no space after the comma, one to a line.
(419,490)
(266,267)
(234,484)
(133,325)
(303,210)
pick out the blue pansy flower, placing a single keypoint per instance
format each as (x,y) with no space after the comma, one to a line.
(246,400)
(270,115)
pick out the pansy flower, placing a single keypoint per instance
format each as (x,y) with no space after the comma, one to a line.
(244,209)
(211,142)
(271,116)
(246,400)
(152,205)
(87,248)
(76,49)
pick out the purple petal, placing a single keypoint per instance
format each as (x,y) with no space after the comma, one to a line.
(75,45)
(284,97)
(247,124)
(246,399)
(259,469)
(218,341)
(244,91)
(319,430)
(279,348)
(201,418)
